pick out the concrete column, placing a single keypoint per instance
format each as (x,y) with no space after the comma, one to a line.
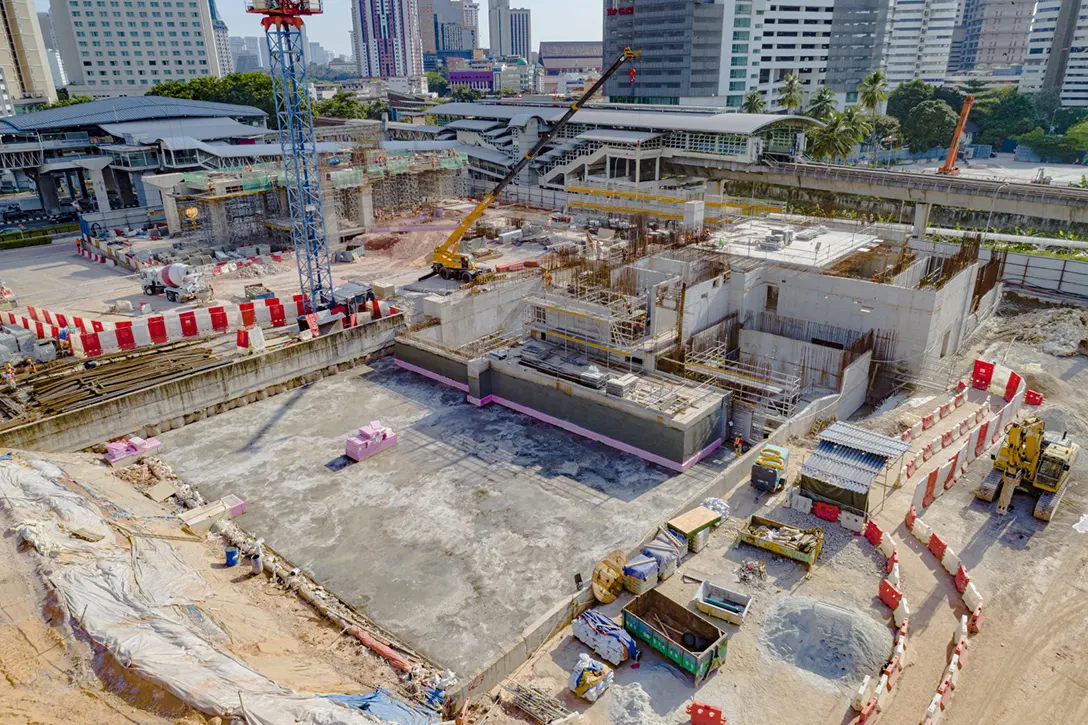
(657,169)
(921,219)
(98,183)
(607,166)
(366,207)
(139,189)
(219,222)
(585,172)
(638,172)
(47,192)
(82,185)
(170,211)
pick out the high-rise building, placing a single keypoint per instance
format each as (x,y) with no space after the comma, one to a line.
(427,35)
(470,18)
(149,58)
(23,57)
(1057,56)
(221,36)
(918,40)
(56,65)
(318,54)
(855,46)
(521,34)
(387,38)
(991,34)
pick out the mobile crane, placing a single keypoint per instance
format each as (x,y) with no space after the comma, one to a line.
(953,149)
(450,263)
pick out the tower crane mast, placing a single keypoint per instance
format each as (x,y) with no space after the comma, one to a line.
(283,23)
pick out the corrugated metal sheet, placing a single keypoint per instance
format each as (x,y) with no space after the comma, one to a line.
(618,136)
(202,129)
(864,440)
(472,125)
(844,467)
(122,110)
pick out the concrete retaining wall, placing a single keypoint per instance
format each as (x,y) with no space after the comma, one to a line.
(468,316)
(415,355)
(178,402)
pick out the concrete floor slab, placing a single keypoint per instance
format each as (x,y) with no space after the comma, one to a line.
(456,539)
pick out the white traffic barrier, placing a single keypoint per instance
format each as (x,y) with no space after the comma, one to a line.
(953,671)
(802,503)
(893,575)
(852,522)
(961,631)
(950,561)
(901,654)
(921,531)
(863,694)
(933,714)
(887,545)
(901,613)
(971,597)
(881,692)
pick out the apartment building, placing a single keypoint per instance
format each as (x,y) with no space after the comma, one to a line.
(23,57)
(991,34)
(918,40)
(511,30)
(388,42)
(221,37)
(1057,56)
(112,48)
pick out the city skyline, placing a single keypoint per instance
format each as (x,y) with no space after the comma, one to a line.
(552,20)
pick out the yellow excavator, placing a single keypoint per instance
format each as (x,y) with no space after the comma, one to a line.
(448,261)
(1031,461)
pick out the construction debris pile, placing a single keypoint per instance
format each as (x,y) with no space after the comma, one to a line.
(1057,331)
(752,572)
(788,536)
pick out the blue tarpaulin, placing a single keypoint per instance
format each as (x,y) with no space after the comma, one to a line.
(382,705)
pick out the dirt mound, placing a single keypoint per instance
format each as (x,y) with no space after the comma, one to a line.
(381,243)
(829,641)
(1055,331)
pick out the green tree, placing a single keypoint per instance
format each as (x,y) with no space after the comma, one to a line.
(1065,148)
(325,73)
(822,105)
(831,141)
(244,89)
(873,94)
(887,132)
(950,96)
(856,126)
(1047,103)
(342,105)
(437,84)
(973,86)
(754,102)
(66,101)
(464,94)
(791,93)
(930,125)
(906,96)
(1012,115)
(1066,118)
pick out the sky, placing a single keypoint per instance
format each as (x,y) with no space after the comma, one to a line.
(552,20)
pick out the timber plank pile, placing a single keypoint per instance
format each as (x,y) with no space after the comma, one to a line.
(63,387)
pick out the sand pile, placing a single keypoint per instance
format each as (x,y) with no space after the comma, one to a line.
(631,706)
(829,641)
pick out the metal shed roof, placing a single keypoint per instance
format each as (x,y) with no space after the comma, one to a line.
(864,440)
(739,123)
(472,125)
(844,467)
(121,110)
(202,129)
(479,152)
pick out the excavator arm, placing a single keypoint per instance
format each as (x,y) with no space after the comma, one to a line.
(445,255)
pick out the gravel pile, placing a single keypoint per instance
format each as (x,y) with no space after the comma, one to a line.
(1055,331)
(829,641)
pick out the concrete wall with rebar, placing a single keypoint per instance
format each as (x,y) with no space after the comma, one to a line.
(235,383)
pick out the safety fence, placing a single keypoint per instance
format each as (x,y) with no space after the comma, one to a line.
(978,432)
(970,623)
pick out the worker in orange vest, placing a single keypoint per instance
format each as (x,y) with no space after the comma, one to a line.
(738,445)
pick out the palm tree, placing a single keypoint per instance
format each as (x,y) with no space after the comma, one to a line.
(873,94)
(855,126)
(791,93)
(822,105)
(827,141)
(754,102)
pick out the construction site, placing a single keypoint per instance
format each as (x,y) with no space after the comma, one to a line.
(368,437)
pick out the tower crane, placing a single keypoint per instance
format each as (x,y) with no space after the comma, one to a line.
(450,263)
(283,23)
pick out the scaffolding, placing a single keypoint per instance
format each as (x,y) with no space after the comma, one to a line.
(664,204)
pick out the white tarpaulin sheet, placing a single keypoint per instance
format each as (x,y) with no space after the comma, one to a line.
(123,601)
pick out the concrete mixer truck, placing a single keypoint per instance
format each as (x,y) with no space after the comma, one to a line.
(174,280)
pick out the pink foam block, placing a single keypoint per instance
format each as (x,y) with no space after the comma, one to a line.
(371,439)
(124,449)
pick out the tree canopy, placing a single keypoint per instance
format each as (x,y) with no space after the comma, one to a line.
(822,105)
(464,94)
(906,96)
(930,124)
(348,105)
(437,83)
(244,89)
(791,93)
(754,102)
(66,101)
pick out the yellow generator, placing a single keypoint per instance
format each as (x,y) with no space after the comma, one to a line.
(1031,461)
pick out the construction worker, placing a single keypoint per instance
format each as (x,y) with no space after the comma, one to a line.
(30,364)
(9,375)
(738,446)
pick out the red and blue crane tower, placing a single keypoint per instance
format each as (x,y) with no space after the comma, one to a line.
(283,23)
